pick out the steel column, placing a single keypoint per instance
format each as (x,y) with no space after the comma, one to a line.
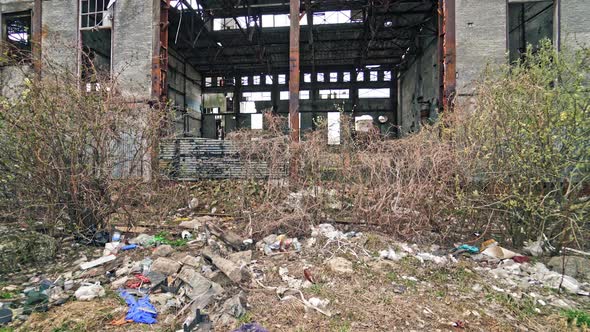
(294,71)
(449,54)
(160,57)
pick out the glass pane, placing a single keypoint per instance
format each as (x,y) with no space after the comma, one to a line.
(101,5)
(92,6)
(84,6)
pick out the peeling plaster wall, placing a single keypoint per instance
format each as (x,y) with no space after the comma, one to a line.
(133,32)
(60,34)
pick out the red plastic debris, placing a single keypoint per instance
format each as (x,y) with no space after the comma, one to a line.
(521,259)
(308,275)
(136,282)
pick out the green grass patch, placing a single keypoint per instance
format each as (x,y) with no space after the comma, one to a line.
(578,318)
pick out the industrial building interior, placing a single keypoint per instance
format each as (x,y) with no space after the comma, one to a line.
(228,63)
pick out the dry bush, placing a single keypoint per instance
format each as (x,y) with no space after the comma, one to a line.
(515,167)
(406,187)
(73,154)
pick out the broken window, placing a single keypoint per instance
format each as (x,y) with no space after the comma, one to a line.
(96,39)
(346,77)
(303,94)
(269,79)
(284,95)
(256,80)
(334,94)
(360,76)
(245,80)
(208,81)
(17,28)
(528,24)
(387,76)
(256,96)
(320,77)
(374,93)
(307,77)
(374,76)
(94,13)
(282,79)
(333,77)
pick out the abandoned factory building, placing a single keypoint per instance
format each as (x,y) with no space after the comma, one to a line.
(224,63)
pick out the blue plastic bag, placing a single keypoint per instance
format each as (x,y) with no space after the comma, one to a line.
(140,311)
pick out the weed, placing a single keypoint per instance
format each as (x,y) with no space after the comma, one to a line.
(245,318)
(317,289)
(578,318)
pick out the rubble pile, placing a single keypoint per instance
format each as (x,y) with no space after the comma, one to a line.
(199,279)
(159,282)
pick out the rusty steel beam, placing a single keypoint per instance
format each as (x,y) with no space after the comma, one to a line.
(294,71)
(160,57)
(449,53)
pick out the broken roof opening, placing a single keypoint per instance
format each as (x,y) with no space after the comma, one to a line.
(254,36)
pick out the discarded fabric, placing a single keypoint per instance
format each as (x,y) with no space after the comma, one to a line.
(140,311)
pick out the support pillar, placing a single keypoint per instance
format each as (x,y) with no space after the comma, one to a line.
(294,71)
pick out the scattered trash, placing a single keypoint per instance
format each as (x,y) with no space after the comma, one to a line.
(5,316)
(89,292)
(308,276)
(97,262)
(521,259)
(391,255)
(459,324)
(129,247)
(186,235)
(534,248)
(281,244)
(498,252)
(140,310)
(330,232)
(467,248)
(250,327)
(318,303)
(198,322)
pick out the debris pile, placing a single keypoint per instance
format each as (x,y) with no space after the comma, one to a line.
(160,279)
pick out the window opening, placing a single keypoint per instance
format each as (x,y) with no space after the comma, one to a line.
(528,24)
(94,14)
(334,94)
(17,27)
(374,93)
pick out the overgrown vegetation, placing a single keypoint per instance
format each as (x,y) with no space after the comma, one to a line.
(72,153)
(529,136)
(514,165)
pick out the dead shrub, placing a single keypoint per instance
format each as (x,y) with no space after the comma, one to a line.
(73,152)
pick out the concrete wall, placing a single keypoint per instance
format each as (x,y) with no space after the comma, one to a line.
(133,33)
(574,27)
(481,39)
(60,33)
